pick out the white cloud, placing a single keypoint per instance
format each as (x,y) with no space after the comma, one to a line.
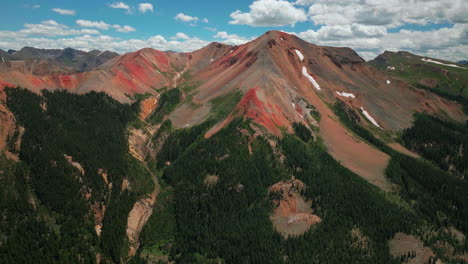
(51,23)
(51,28)
(64,11)
(269,13)
(124,29)
(145,7)
(185,18)
(205,20)
(368,31)
(391,13)
(120,5)
(429,41)
(180,35)
(231,39)
(363,25)
(94,24)
(104,26)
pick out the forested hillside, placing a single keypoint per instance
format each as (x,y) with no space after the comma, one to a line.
(445,143)
(74,160)
(227,221)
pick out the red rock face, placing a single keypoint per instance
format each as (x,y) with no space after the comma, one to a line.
(4,84)
(262,112)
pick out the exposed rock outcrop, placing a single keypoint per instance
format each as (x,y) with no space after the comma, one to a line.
(137,219)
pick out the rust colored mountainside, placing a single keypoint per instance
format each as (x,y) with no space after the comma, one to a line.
(279,78)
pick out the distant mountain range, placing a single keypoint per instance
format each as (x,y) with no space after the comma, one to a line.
(68,59)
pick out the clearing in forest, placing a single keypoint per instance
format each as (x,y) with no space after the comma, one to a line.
(293,215)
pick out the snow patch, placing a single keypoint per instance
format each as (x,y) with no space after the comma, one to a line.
(345,94)
(440,63)
(282,38)
(369,117)
(311,79)
(231,51)
(388,81)
(212,60)
(299,54)
(3,60)
(391,68)
(293,105)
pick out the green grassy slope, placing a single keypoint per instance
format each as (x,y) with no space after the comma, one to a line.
(450,82)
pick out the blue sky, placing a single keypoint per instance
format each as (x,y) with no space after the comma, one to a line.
(435,28)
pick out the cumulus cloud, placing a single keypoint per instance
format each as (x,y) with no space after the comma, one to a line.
(104,26)
(120,5)
(185,18)
(368,31)
(180,35)
(372,26)
(265,13)
(50,28)
(145,7)
(123,29)
(61,11)
(230,39)
(93,24)
(391,13)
